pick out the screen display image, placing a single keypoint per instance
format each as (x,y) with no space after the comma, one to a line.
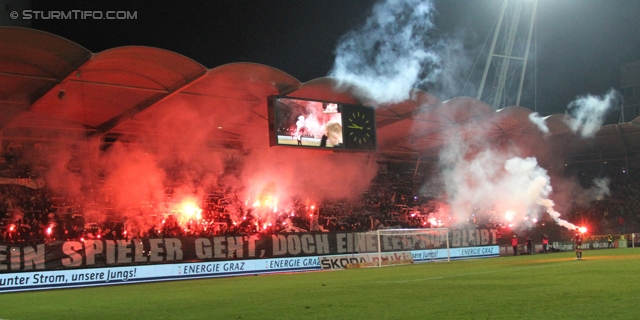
(308,123)
(321,124)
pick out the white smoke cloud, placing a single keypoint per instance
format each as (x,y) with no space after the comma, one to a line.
(599,190)
(388,56)
(496,182)
(574,194)
(450,78)
(536,119)
(589,112)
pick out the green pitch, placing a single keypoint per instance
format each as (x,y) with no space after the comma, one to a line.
(604,285)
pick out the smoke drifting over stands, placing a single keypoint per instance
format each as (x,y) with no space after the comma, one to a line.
(395,198)
(185,166)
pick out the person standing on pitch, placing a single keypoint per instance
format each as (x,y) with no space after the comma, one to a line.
(609,241)
(514,244)
(545,243)
(577,239)
(529,243)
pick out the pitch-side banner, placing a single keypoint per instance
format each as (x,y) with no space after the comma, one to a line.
(72,278)
(407,257)
(38,280)
(364,260)
(109,253)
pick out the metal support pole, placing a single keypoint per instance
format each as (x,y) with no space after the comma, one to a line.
(448,250)
(526,51)
(415,171)
(504,67)
(493,46)
(379,248)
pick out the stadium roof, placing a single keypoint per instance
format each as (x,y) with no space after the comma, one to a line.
(50,86)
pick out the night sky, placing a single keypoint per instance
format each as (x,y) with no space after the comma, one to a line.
(581,44)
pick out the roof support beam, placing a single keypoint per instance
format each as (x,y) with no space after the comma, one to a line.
(22,75)
(444,127)
(429,151)
(38,94)
(157,98)
(72,68)
(395,119)
(119,86)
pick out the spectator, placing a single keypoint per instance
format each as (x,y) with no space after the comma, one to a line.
(514,244)
(545,243)
(577,239)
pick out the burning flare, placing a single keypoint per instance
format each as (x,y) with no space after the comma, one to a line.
(187,210)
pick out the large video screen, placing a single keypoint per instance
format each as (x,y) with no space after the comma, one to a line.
(321,124)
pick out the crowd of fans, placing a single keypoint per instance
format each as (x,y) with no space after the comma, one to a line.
(617,211)
(30,212)
(37,214)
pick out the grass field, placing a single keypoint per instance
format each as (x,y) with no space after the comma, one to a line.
(604,285)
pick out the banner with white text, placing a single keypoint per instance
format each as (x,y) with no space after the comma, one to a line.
(111,253)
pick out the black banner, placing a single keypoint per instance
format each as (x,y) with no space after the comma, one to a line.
(101,253)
